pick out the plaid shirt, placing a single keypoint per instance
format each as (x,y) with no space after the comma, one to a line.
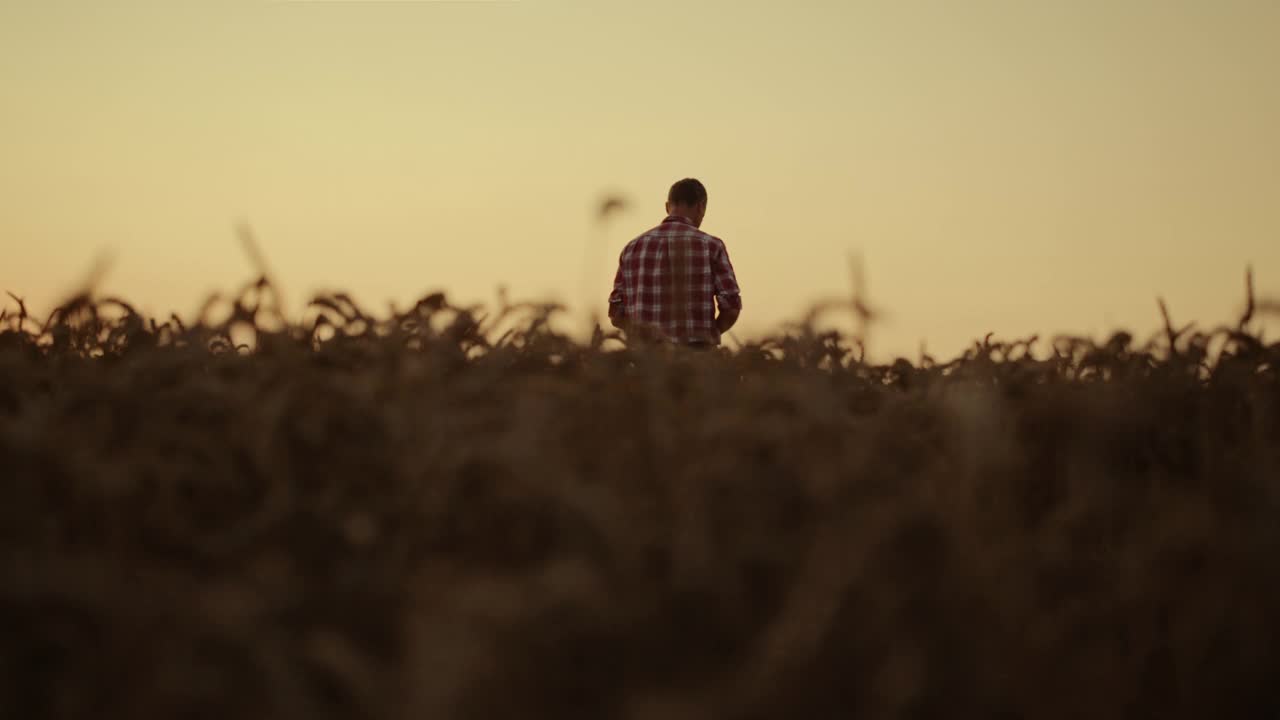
(671,278)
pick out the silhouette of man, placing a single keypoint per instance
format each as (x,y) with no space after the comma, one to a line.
(671,279)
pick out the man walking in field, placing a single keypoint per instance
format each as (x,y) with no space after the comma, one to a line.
(671,279)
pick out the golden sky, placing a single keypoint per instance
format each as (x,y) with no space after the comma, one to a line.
(1010,166)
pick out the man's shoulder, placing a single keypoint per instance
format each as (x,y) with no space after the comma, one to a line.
(712,241)
(638,240)
(703,235)
(657,232)
(685,229)
(668,230)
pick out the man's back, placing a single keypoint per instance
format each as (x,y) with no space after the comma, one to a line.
(671,278)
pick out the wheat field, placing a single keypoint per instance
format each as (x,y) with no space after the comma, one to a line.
(451,512)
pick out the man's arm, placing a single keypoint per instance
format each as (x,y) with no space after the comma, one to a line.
(728,295)
(618,301)
(727,317)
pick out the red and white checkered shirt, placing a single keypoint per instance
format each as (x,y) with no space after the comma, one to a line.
(670,279)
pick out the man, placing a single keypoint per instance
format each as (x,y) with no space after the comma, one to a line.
(671,279)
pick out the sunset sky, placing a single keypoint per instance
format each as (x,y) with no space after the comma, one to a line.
(1014,166)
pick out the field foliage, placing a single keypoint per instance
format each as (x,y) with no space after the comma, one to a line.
(448,513)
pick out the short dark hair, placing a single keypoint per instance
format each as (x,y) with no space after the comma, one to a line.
(687,192)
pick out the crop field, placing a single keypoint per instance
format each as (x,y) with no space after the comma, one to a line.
(450,512)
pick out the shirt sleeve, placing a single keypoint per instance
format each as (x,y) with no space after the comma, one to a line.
(728,294)
(618,298)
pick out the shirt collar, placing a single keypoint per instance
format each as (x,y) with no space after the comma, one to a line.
(677,218)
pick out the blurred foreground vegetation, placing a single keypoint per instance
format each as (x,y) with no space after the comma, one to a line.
(444,513)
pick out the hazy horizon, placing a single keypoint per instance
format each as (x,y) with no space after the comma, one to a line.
(1000,167)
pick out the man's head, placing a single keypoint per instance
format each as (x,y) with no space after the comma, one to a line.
(688,198)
